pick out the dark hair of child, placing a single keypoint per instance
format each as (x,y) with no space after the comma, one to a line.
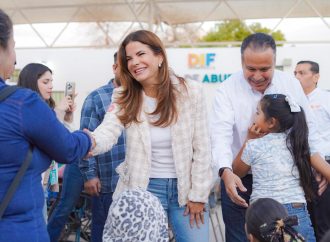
(267,221)
(294,124)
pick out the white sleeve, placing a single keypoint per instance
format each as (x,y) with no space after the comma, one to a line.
(201,165)
(107,133)
(314,137)
(221,124)
(247,154)
(327,103)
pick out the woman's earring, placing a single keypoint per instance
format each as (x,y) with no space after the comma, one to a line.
(160,65)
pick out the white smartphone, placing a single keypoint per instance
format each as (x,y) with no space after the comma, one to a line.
(70,89)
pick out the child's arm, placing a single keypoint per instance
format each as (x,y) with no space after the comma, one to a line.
(320,165)
(239,167)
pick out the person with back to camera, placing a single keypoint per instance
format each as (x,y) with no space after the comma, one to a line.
(234,105)
(39,78)
(27,121)
(167,149)
(278,154)
(307,72)
(268,221)
(136,216)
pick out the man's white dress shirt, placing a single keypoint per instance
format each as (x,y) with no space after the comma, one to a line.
(233,112)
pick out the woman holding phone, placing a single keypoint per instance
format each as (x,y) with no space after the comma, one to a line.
(39,78)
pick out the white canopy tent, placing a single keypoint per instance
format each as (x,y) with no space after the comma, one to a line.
(156,11)
(153,14)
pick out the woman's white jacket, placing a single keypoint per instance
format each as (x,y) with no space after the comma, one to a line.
(190,145)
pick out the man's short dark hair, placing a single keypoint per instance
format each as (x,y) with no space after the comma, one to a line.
(314,65)
(258,41)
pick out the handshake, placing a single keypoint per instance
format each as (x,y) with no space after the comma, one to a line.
(90,152)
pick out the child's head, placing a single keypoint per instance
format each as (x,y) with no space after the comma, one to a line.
(278,111)
(268,221)
(282,114)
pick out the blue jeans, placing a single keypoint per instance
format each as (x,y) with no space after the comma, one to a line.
(167,192)
(100,208)
(233,214)
(305,225)
(72,186)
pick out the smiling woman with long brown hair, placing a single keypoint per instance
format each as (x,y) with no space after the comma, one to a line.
(168,149)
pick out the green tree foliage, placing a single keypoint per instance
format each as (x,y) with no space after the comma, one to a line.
(236,30)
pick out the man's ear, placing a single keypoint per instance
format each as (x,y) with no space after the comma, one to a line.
(316,78)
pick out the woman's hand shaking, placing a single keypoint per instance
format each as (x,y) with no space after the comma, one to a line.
(90,152)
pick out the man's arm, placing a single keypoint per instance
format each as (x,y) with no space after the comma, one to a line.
(240,168)
(222,125)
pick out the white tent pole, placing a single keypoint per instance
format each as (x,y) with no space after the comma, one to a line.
(65,27)
(287,14)
(236,14)
(211,12)
(130,27)
(33,28)
(151,14)
(125,33)
(317,12)
(105,32)
(134,13)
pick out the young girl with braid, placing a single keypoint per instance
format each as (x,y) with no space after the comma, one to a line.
(268,221)
(279,156)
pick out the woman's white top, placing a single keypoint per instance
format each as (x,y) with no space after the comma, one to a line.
(162,162)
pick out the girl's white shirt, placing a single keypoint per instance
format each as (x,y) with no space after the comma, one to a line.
(274,173)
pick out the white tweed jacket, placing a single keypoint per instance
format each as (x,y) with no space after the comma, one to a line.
(190,145)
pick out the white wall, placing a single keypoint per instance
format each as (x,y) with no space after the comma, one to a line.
(92,68)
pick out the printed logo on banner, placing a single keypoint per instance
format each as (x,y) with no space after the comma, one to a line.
(201,61)
(203,68)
